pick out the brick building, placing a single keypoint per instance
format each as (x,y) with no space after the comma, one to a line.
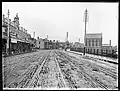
(93,43)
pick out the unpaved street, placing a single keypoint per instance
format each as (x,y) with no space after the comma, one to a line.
(57,69)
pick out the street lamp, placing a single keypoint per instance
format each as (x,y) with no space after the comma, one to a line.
(7,49)
(85,20)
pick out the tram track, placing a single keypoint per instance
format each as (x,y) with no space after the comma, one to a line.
(39,69)
(57,69)
(88,76)
(25,79)
(41,79)
(104,70)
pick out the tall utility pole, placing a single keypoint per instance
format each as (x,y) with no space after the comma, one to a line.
(85,20)
(47,42)
(7,48)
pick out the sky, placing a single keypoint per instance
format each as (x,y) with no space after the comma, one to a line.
(55,19)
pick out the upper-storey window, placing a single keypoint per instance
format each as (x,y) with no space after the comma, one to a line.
(92,42)
(89,43)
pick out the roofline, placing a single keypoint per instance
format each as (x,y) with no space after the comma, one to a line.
(93,33)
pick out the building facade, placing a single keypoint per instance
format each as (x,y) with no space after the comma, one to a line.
(78,45)
(20,40)
(109,50)
(40,43)
(93,43)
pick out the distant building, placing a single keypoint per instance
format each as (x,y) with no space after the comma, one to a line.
(78,45)
(115,48)
(62,45)
(108,49)
(93,43)
(46,43)
(40,43)
(50,44)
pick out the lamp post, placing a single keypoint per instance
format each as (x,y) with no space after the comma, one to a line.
(85,20)
(7,49)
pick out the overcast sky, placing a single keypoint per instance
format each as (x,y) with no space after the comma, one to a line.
(56,18)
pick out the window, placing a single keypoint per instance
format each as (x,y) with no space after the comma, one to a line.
(86,44)
(97,51)
(91,50)
(96,42)
(89,42)
(99,43)
(92,42)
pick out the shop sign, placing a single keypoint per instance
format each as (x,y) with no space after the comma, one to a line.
(21,40)
(13,40)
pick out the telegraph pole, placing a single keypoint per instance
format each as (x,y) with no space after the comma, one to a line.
(85,19)
(7,49)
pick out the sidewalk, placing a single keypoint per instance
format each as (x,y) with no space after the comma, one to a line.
(98,57)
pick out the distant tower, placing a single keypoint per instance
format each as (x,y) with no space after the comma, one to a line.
(110,43)
(79,40)
(47,36)
(34,34)
(67,37)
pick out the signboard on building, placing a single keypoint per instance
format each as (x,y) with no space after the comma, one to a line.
(13,40)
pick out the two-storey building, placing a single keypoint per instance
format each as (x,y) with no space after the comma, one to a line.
(19,39)
(93,43)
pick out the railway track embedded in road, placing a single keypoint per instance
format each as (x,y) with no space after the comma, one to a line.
(86,75)
(106,71)
(24,80)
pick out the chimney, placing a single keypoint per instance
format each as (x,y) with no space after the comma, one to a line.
(110,43)
(34,34)
(79,39)
(67,37)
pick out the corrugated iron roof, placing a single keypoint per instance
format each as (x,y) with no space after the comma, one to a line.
(94,35)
